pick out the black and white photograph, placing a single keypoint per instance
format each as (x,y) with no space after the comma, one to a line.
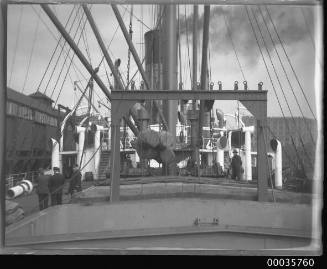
(134,127)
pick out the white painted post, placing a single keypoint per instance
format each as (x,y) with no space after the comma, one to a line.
(97,150)
(55,155)
(278,166)
(248,166)
(220,153)
(81,138)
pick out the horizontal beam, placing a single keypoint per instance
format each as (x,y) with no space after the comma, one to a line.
(182,2)
(190,95)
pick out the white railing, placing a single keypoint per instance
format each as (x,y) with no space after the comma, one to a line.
(13,179)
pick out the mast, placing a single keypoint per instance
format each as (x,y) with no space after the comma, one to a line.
(204,68)
(169,41)
(194,117)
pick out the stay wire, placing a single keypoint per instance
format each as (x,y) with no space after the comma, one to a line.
(271,81)
(139,20)
(61,45)
(69,50)
(62,85)
(55,50)
(288,80)
(16,43)
(31,55)
(60,53)
(233,45)
(289,61)
(279,83)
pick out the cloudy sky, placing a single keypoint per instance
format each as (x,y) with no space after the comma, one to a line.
(32,39)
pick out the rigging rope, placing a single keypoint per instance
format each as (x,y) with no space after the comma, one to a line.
(288,80)
(56,39)
(69,50)
(55,50)
(139,20)
(289,61)
(129,51)
(279,83)
(62,85)
(308,29)
(31,55)
(60,53)
(271,81)
(16,43)
(231,39)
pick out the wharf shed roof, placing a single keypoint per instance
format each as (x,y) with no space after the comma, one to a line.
(31,102)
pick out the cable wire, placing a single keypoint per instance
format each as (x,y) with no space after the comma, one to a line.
(279,83)
(16,43)
(271,81)
(31,55)
(288,80)
(289,61)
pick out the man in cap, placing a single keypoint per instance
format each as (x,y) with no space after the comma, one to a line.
(56,185)
(236,166)
(75,183)
(42,189)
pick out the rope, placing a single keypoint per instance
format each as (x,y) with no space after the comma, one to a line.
(279,83)
(16,43)
(62,85)
(308,29)
(291,87)
(271,81)
(289,61)
(56,39)
(139,20)
(85,42)
(129,51)
(55,50)
(70,49)
(31,55)
(231,39)
(62,48)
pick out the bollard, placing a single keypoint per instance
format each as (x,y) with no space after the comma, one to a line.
(260,86)
(220,86)
(236,85)
(245,85)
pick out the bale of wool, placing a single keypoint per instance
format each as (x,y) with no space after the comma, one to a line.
(15,216)
(167,155)
(150,137)
(167,140)
(11,207)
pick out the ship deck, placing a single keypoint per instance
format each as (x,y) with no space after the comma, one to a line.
(172,213)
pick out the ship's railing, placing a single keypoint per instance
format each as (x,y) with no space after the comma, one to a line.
(14,179)
(124,143)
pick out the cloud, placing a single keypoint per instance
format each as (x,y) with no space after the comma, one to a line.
(233,23)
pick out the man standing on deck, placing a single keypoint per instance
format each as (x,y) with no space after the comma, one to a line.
(236,166)
(42,189)
(75,183)
(56,185)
